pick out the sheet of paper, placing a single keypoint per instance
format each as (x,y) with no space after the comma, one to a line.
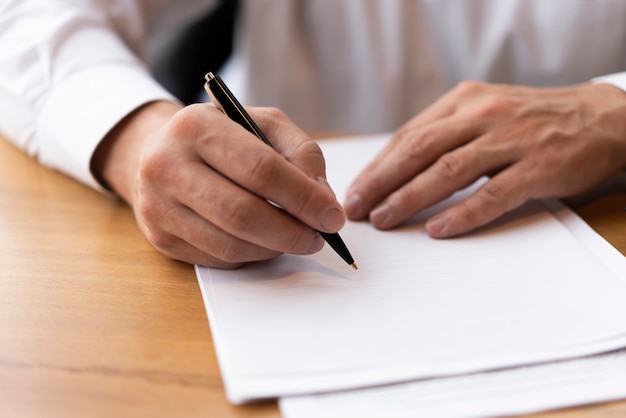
(522,290)
(516,391)
(511,391)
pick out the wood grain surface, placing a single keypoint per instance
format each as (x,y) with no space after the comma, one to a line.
(95,323)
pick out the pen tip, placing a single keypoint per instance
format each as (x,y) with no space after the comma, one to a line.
(353,265)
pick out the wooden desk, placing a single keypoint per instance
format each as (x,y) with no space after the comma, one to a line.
(95,323)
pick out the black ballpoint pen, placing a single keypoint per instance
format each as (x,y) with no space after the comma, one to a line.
(227,103)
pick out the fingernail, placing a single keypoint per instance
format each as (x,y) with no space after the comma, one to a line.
(333,220)
(353,205)
(436,225)
(380,215)
(316,245)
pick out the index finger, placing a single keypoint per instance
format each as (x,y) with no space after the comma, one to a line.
(409,154)
(291,181)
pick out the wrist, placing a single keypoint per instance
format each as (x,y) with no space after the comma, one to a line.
(618,96)
(116,159)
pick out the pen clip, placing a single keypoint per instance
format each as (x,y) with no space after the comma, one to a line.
(208,77)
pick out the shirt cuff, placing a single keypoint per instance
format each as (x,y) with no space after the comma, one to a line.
(84,108)
(617,80)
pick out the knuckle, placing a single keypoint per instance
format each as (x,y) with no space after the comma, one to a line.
(492,105)
(489,203)
(493,193)
(270,118)
(230,253)
(152,217)
(157,168)
(184,122)
(239,214)
(486,101)
(307,201)
(297,241)
(148,209)
(271,113)
(152,168)
(403,134)
(308,156)
(449,166)
(162,241)
(417,142)
(262,171)
(469,87)
(469,215)
(403,199)
(307,149)
(302,203)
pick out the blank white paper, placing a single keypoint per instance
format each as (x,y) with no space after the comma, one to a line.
(499,393)
(520,291)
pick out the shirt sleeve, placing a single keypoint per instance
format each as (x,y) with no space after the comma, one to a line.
(67,76)
(617,80)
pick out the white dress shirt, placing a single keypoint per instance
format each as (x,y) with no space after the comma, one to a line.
(71,69)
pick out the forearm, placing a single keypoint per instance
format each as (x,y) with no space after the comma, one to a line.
(67,76)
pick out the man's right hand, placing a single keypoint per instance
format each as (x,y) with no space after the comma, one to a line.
(200,185)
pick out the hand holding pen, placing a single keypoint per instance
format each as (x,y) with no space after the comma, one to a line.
(200,184)
(224,100)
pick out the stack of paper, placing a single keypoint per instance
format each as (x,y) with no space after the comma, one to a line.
(524,290)
(515,391)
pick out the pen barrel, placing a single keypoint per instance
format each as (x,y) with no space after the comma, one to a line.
(337,244)
(226,101)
